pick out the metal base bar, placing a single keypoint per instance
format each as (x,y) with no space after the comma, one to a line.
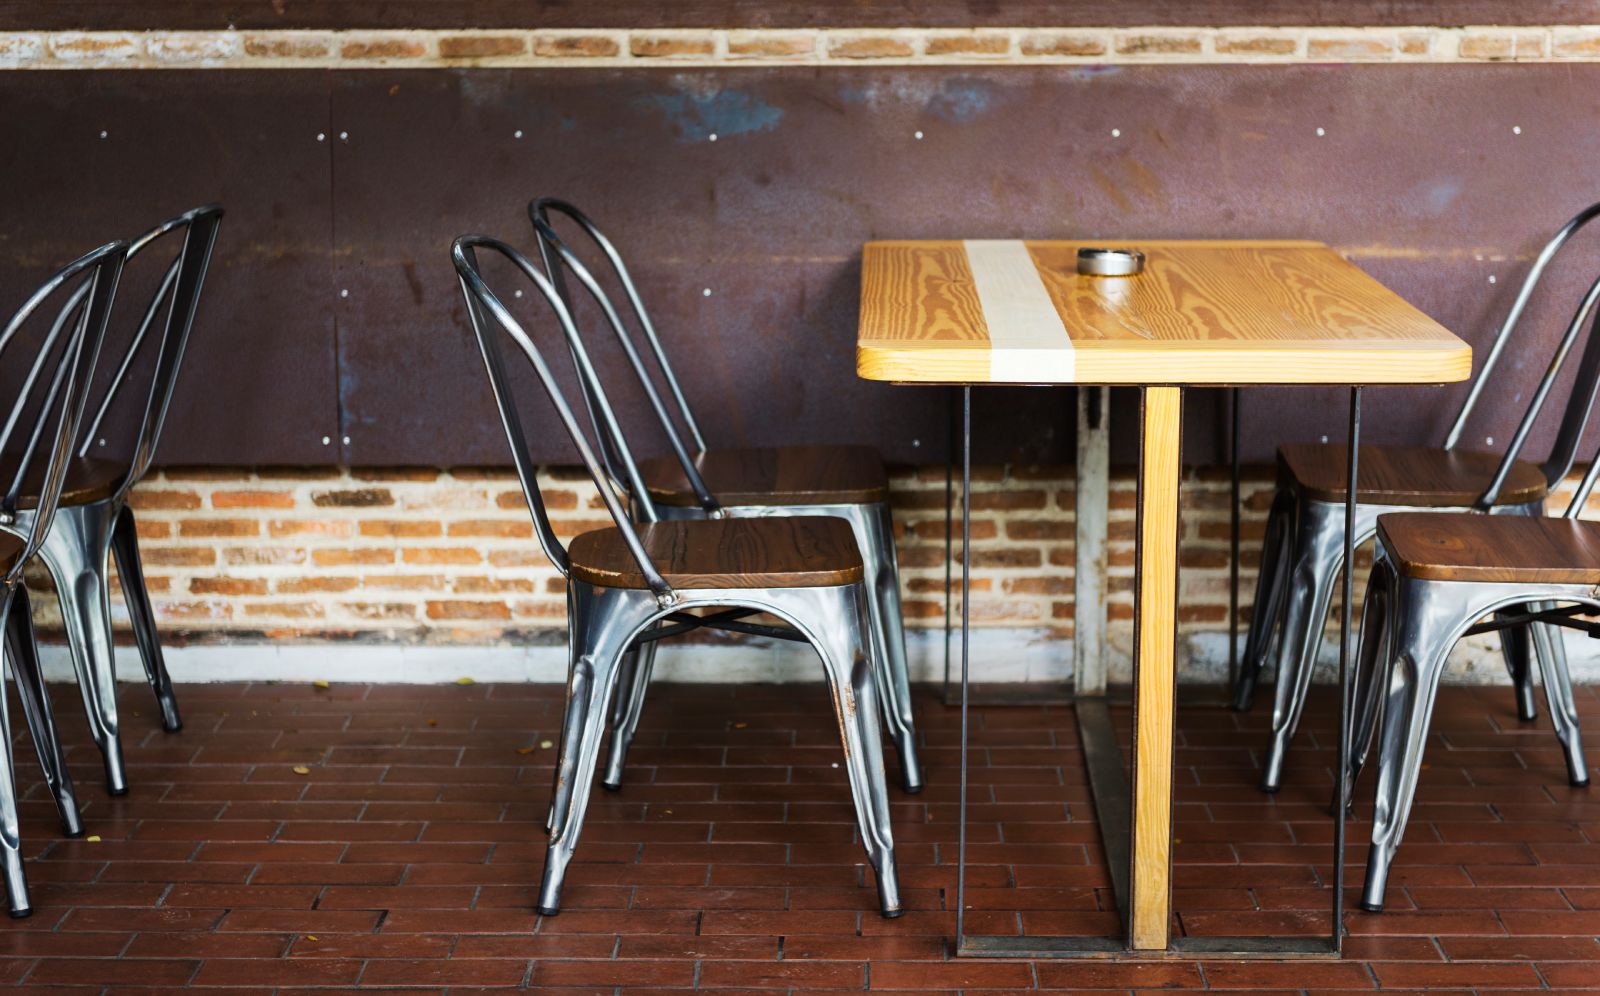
(1111,790)
(1113,949)
(1113,796)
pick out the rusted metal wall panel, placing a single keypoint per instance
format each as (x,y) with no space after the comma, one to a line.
(1434,178)
(258,385)
(1419,173)
(217,14)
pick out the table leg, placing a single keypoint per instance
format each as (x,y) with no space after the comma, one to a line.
(1092,485)
(1155,619)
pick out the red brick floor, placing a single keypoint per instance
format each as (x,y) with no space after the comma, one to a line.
(407,856)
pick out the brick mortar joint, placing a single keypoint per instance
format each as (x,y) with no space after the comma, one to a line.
(554,48)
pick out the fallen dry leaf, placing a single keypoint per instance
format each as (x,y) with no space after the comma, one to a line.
(524,750)
(301,769)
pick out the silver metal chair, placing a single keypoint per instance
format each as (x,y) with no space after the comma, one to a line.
(846,482)
(627,584)
(51,392)
(94,521)
(1302,550)
(1434,577)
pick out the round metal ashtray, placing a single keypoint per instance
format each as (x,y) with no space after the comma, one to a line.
(1110,262)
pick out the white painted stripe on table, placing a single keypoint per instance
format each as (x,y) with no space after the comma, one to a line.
(1027,342)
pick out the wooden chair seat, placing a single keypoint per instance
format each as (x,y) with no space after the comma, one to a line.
(790,552)
(789,475)
(88,480)
(1418,476)
(1504,548)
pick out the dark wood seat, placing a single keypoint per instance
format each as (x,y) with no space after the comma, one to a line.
(1418,476)
(1510,548)
(88,480)
(791,552)
(788,475)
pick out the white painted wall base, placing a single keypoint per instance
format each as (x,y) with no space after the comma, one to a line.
(998,655)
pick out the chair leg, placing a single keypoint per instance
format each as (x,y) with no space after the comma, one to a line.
(875,536)
(16,880)
(600,631)
(840,637)
(1317,558)
(633,679)
(76,550)
(24,658)
(130,571)
(1552,655)
(1516,647)
(1267,606)
(1422,638)
(1373,653)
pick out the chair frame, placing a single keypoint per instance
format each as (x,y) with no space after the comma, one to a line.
(66,386)
(1303,547)
(1408,627)
(871,521)
(84,537)
(605,622)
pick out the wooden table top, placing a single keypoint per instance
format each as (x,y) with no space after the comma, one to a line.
(1202,312)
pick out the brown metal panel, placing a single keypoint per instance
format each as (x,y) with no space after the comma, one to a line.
(100,155)
(246,14)
(1417,174)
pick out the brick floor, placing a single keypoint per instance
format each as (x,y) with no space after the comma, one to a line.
(407,857)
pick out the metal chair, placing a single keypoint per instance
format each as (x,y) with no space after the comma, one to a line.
(846,482)
(1302,550)
(1433,578)
(627,584)
(42,422)
(94,521)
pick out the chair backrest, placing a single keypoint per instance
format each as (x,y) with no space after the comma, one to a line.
(43,419)
(1580,402)
(178,295)
(1529,283)
(490,320)
(559,258)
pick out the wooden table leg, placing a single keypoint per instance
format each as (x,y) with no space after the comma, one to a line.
(1155,615)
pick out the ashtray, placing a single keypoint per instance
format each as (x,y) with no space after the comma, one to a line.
(1110,262)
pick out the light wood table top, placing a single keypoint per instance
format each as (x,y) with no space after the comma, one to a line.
(1202,312)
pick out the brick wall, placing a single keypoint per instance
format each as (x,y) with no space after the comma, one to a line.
(418,555)
(423,555)
(443,562)
(298,49)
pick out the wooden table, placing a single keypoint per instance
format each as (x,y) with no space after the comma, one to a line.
(1203,313)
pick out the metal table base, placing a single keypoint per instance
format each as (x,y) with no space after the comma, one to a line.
(1109,783)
